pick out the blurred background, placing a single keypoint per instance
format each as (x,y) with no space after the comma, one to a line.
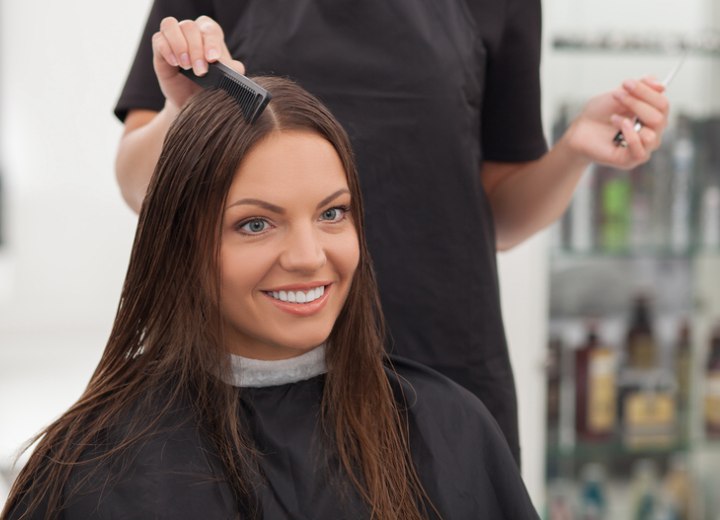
(632,402)
(611,315)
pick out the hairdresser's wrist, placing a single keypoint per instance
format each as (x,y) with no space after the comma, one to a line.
(572,149)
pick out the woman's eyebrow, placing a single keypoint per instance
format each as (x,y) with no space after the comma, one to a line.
(258,202)
(332,196)
(281,211)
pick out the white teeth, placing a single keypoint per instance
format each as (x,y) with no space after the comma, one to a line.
(298,296)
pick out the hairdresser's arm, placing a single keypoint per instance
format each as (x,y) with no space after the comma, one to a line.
(189,44)
(139,151)
(527,197)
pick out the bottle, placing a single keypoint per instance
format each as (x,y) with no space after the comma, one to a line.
(644,490)
(710,218)
(560,503)
(683,370)
(595,391)
(648,411)
(683,154)
(553,371)
(642,181)
(640,347)
(581,224)
(562,230)
(648,407)
(614,193)
(679,489)
(712,386)
(593,501)
(661,165)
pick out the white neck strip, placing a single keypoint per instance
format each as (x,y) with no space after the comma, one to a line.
(257,373)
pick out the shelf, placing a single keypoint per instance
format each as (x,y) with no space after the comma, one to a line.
(701,44)
(615,448)
(617,458)
(642,254)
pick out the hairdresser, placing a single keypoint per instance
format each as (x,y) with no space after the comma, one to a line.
(441,101)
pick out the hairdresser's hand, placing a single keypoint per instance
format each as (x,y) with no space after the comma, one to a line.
(189,44)
(591,134)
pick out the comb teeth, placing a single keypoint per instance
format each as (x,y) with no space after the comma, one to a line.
(246,98)
(251,97)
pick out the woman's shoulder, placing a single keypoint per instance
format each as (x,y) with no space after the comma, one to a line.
(459,450)
(426,390)
(167,471)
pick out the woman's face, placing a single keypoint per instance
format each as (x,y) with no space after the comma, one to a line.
(289,247)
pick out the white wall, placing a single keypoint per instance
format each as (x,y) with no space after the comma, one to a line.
(68,232)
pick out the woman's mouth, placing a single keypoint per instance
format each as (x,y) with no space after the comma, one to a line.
(304,296)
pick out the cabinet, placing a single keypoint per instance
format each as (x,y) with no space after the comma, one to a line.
(635,301)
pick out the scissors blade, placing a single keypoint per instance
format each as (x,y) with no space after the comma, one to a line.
(675,70)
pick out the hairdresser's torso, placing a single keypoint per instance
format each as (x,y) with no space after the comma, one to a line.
(405,79)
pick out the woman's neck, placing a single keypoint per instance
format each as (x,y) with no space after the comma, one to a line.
(246,372)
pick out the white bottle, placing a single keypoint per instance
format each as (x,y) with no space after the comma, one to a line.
(710,239)
(683,155)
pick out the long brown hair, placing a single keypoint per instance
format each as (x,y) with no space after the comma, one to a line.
(167,326)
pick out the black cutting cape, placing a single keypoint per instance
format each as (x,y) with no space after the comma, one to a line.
(460,454)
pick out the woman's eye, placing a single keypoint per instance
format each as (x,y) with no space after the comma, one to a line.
(334,214)
(254,226)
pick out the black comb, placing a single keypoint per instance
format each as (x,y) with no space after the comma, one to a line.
(251,97)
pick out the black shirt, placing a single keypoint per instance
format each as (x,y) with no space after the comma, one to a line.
(460,455)
(427,91)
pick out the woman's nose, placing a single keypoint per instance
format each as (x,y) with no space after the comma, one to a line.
(303,251)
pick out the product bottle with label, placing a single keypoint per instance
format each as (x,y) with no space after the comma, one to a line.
(640,346)
(595,390)
(712,386)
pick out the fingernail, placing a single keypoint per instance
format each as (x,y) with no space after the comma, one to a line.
(173,60)
(212,54)
(630,84)
(616,119)
(620,95)
(200,67)
(185,61)
(653,81)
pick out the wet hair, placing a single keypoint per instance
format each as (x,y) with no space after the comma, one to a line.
(167,336)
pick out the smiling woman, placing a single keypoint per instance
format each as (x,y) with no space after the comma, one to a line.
(245,375)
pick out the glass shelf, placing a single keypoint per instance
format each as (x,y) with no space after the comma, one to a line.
(651,253)
(707,43)
(617,456)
